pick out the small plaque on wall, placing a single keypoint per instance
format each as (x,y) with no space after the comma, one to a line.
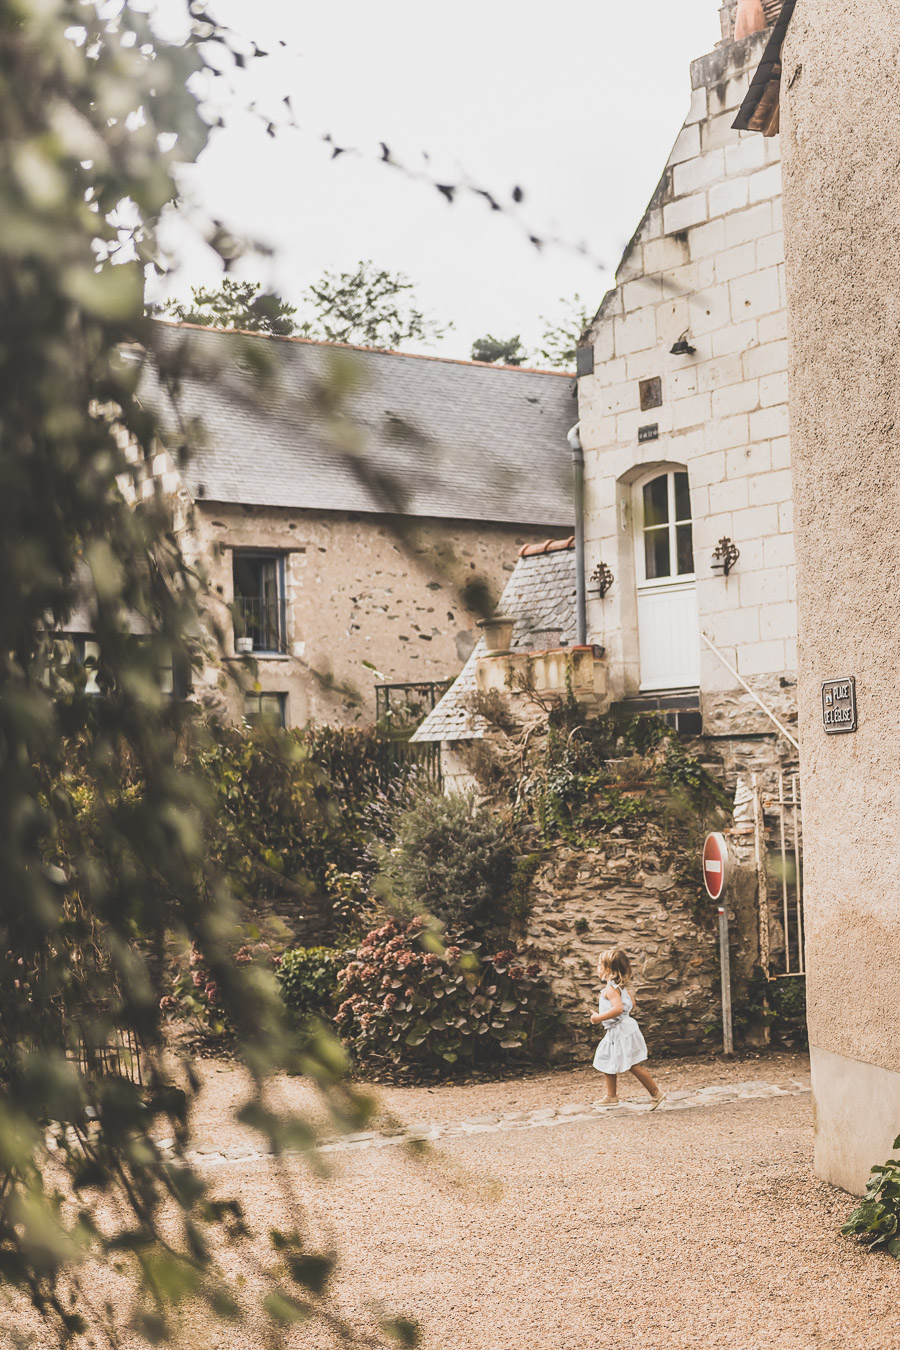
(839,705)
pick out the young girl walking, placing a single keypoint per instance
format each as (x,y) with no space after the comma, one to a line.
(623,1047)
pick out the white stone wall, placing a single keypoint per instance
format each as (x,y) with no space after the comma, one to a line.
(706,262)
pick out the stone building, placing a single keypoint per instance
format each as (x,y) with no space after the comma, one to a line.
(684,424)
(354,511)
(582,898)
(837,107)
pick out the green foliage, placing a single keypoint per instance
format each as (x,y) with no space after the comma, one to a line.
(451,858)
(296,812)
(101,863)
(308,980)
(608,778)
(499,351)
(234,304)
(369,306)
(520,899)
(562,337)
(194,992)
(876,1222)
(779,1003)
(406,1006)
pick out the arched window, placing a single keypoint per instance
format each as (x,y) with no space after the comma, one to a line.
(666,527)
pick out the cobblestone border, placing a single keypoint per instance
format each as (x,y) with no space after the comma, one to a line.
(502,1121)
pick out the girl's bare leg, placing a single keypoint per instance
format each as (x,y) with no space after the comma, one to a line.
(646,1079)
(611,1087)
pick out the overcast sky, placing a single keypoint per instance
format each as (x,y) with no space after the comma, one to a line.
(576,104)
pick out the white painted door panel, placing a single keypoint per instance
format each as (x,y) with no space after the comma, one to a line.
(669,636)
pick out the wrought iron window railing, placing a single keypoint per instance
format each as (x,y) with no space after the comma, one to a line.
(262,623)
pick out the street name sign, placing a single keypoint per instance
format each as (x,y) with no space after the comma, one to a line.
(839,705)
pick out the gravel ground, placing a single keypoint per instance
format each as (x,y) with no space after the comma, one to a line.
(701,1227)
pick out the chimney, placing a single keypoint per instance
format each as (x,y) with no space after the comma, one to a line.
(726,18)
(741,17)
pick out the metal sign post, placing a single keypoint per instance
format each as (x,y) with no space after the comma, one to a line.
(715,879)
(725,963)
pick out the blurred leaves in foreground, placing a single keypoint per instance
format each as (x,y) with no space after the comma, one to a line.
(98,115)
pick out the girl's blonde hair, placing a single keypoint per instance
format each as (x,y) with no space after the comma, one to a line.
(616,964)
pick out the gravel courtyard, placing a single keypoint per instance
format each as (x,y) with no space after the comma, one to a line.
(533,1220)
(699,1225)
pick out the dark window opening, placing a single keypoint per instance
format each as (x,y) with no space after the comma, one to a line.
(265,709)
(259,608)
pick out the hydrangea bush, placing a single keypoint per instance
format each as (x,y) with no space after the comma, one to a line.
(405,1006)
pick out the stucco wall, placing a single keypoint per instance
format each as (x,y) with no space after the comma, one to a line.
(706,262)
(841,132)
(355,592)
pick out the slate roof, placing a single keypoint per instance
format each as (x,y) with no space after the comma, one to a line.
(540,596)
(320,426)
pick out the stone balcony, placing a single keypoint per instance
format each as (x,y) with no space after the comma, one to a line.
(542,677)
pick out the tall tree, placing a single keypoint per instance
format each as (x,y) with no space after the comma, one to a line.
(368,306)
(560,339)
(234,304)
(499,351)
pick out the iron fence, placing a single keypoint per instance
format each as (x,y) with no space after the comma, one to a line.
(400,709)
(778,837)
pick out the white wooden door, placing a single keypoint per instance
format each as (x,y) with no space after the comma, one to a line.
(668,623)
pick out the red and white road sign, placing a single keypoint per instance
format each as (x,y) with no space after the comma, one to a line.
(715,865)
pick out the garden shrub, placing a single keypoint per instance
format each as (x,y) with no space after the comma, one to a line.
(404,1006)
(451,858)
(296,814)
(308,979)
(876,1222)
(611,777)
(195,995)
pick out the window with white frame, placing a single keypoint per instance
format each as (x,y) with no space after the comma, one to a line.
(668,537)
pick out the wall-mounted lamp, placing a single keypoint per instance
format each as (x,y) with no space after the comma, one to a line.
(682,347)
(725,555)
(602,578)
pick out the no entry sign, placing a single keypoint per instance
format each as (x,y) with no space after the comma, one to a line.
(715,865)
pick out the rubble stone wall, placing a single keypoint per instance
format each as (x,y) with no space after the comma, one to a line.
(363,602)
(587,899)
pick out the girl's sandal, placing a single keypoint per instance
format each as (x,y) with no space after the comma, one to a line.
(609,1101)
(657,1101)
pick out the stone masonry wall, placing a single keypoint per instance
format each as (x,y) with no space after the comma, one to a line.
(356,592)
(705,263)
(587,899)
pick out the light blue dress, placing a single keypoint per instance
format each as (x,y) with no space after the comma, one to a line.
(623,1046)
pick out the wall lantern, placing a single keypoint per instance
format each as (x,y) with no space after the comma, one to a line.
(682,347)
(725,555)
(602,578)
